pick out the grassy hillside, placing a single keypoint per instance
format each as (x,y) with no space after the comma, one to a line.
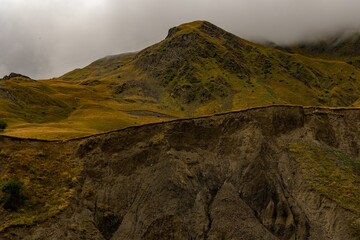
(48,173)
(340,45)
(56,109)
(199,69)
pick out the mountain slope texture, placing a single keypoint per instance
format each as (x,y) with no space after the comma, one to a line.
(197,70)
(203,135)
(266,173)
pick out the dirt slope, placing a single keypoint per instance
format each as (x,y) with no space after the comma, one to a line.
(244,175)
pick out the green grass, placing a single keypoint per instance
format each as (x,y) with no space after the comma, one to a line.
(3,125)
(331,172)
(13,194)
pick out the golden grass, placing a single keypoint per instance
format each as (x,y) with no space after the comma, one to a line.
(49,175)
(84,102)
(331,172)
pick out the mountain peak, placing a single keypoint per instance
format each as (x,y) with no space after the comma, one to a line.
(196,26)
(14,75)
(177,61)
(186,26)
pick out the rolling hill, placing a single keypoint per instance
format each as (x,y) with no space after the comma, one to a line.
(197,70)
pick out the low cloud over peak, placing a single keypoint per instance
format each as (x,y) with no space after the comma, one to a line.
(45,39)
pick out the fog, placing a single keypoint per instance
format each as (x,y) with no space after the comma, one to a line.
(47,38)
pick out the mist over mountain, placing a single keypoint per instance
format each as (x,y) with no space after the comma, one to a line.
(45,39)
(198,69)
(202,135)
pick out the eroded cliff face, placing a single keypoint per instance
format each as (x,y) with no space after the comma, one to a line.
(241,175)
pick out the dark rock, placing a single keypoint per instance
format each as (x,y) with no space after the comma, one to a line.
(14,75)
(228,176)
(172,31)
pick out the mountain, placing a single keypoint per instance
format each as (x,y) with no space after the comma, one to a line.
(203,135)
(197,70)
(277,172)
(342,46)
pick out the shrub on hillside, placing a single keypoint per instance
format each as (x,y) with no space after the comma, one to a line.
(13,194)
(2,125)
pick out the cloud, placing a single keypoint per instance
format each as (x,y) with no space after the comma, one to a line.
(45,39)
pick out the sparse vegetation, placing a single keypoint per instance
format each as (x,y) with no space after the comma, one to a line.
(212,72)
(13,194)
(355,227)
(199,70)
(158,138)
(331,172)
(45,176)
(3,125)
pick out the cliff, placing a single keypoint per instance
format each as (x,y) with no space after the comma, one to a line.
(276,172)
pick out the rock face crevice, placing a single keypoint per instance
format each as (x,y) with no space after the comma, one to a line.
(229,176)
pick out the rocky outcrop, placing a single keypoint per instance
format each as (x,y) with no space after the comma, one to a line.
(14,75)
(229,176)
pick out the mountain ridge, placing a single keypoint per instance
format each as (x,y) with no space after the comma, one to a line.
(203,135)
(198,69)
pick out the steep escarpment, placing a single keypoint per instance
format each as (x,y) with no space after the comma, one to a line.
(266,173)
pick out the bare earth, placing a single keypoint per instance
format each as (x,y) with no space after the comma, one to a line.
(230,176)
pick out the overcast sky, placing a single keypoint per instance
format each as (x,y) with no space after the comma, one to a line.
(47,38)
